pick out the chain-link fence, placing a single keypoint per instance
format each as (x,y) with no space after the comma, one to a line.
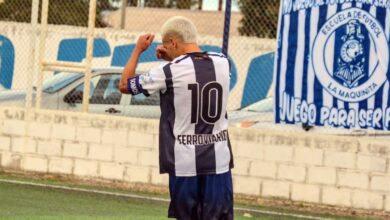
(252,44)
(118,25)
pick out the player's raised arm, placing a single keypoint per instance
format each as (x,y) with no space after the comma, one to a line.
(143,43)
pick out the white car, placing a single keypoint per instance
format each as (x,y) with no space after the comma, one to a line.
(261,115)
(261,111)
(64,91)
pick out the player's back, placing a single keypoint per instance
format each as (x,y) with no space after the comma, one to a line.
(193,126)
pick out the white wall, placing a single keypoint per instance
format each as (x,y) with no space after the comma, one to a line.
(327,170)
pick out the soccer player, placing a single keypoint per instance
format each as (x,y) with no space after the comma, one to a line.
(194,144)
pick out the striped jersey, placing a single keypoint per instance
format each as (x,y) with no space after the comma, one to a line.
(193,91)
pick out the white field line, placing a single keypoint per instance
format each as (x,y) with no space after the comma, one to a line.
(280,214)
(150,198)
(77,189)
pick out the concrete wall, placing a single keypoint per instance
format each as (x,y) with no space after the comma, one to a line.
(341,171)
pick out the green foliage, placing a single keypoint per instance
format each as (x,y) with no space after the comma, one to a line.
(260,18)
(132,2)
(183,4)
(15,10)
(155,3)
(74,12)
(179,4)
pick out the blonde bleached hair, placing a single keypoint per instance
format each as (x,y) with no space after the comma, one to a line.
(180,27)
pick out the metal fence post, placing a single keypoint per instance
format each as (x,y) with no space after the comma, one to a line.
(42,47)
(123,14)
(226,27)
(89,55)
(32,67)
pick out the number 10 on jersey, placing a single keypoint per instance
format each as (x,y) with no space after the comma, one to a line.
(206,102)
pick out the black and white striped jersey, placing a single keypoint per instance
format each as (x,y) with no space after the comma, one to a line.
(194,91)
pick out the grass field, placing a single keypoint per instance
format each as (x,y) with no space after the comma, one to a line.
(18,201)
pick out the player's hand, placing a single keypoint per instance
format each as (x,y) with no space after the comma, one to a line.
(144,41)
(161,53)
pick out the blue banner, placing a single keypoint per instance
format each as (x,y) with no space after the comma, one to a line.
(332,63)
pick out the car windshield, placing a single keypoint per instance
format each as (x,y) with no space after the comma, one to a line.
(59,81)
(265,105)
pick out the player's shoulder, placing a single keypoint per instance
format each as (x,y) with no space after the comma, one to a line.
(158,68)
(216,54)
(167,65)
(161,66)
(218,57)
(180,59)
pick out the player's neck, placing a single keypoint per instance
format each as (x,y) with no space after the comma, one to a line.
(191,48)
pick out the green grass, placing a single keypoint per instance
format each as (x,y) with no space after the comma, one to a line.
(19,202)
(34,202)
(30,202)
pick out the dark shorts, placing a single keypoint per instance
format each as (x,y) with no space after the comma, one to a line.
(203,197)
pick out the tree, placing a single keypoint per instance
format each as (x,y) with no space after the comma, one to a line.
(183,4)
(220,3)
(66,12)
(132,2)
(260,18)
(179,4)
(155,3)
(200,5)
